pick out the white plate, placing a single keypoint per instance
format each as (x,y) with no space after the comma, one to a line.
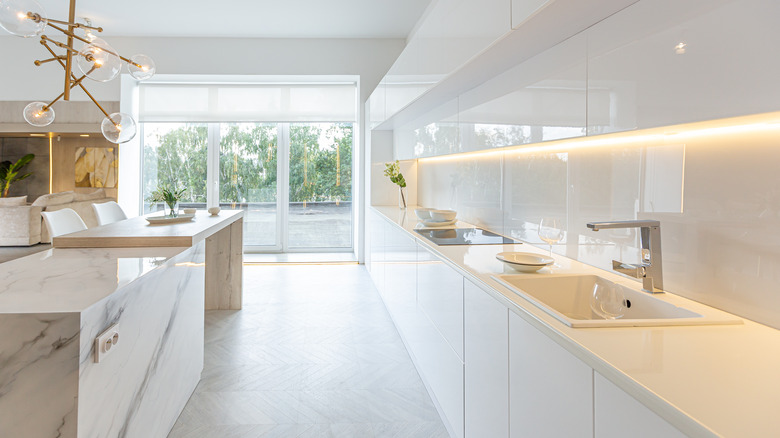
(170,220)
(432,223)
(525,261)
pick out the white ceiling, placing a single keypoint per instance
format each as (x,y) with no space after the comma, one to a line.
(248,18)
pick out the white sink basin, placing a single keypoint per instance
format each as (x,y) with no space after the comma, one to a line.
(568,298)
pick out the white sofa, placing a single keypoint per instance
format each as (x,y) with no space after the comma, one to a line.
(22,224)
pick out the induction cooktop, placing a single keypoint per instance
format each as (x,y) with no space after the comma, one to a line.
(465,236)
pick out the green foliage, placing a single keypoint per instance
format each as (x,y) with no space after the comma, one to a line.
(9,173)
(320,162)
(393,171)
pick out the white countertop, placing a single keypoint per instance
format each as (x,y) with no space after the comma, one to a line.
(705,380)
(71,280)
(138,232)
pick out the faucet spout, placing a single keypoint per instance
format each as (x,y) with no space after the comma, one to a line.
(651,268)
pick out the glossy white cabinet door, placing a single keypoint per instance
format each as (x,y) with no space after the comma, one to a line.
(486,334)
(619,415)
(438,327)
(399,292)
(440,296)
(665,62)
(550,390)
(541,99)
(376,249)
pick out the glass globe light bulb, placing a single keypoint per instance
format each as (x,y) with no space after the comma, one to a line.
(23,18)
(37,114)
(99,61)
(146,69)
(119,128)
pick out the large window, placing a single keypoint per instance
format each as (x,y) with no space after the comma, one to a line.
(282,152)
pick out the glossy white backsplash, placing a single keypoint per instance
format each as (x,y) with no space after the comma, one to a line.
(715,190)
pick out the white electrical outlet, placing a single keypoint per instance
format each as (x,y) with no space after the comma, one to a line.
(106,342)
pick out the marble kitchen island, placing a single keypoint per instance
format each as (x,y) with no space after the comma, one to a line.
(55,303)
(148,283)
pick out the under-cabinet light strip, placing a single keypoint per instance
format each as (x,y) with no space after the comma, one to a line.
(666,134)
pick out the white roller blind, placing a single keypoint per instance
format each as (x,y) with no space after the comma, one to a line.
(331,102)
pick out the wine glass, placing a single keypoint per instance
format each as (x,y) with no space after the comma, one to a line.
(608,300)
(551,231)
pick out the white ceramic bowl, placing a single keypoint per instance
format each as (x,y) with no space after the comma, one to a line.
(189,211)
(423,213)
(214,211)
(443,215)
(524,261)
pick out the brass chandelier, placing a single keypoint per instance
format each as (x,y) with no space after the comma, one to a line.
(96,59)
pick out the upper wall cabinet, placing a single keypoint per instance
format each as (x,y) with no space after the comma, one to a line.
(523,9)
(376,105)
(664,62)
(435,133)
(450,34)
(541,99)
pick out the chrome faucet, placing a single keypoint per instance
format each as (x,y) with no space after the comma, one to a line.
(651,269)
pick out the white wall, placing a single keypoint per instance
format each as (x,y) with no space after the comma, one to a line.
(21,80)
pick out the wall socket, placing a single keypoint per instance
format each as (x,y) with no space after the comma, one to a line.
(106,342)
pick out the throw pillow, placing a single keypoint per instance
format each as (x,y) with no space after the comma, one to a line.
(14,201)
(53,199)
(97,194)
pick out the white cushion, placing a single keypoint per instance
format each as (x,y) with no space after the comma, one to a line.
(14,201)
(97,194)
(54,199)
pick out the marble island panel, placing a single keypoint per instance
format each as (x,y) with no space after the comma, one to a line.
(70,280)
(52,307)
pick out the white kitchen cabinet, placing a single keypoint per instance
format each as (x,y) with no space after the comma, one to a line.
(542,99)
(619,415)
(550,390)
(666,62)
(399,292)
(376,249)
(523,9)
(440,296)
(486,353)
(437,344)
(376,105)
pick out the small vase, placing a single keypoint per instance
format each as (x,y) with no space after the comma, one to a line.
(172,210)
(402,198)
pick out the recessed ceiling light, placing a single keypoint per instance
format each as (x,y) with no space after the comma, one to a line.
(679,49)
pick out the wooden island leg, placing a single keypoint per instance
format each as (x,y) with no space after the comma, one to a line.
(224,267)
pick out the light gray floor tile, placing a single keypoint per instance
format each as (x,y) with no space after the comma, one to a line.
(313,353)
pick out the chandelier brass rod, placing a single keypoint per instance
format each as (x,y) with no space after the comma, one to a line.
(73,84)
(69,54)
(38,62)
(71,34)
(96,103)
(75,25)
(59,44)
(78,82)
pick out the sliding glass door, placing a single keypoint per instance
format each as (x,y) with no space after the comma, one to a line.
(293,180)
(320,186)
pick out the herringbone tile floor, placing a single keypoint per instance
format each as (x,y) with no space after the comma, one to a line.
(313,353)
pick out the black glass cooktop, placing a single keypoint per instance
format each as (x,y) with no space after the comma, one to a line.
(464,236)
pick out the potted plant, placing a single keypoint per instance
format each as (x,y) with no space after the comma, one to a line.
(393,171)
(170,197)
(9,173)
